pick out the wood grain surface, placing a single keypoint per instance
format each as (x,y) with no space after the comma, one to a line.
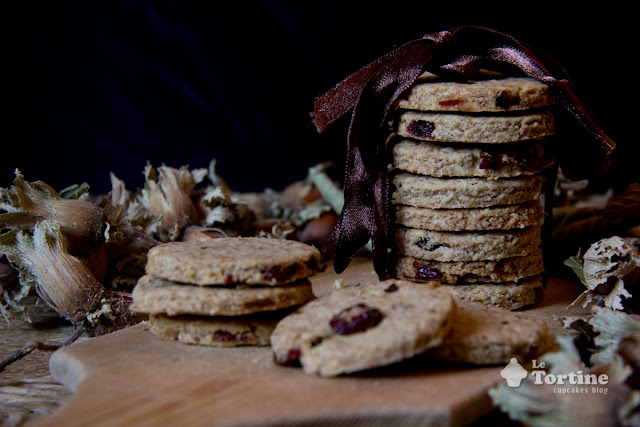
(27,390)
(133,378)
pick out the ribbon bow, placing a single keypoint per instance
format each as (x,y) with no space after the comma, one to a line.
(370,93)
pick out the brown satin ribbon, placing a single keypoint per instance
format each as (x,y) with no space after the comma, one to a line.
(370,94)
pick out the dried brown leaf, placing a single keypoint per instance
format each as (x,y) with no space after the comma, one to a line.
(625,209)
(577,228)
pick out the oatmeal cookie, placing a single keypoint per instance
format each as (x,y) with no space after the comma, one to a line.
(216,331)
(467,272)
(459,193)
(490,218)
(231,260)
(488,95)
(467,246)
(485,335)
(153,295)
(361,327)
(491,161)
(510,295)
(488,129)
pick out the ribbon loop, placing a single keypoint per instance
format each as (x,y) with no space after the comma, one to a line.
(466,66)
(443,39)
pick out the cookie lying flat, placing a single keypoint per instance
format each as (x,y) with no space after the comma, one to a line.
(231,331)
(456,272)
(467,246)
(362,327)
(485,335)
(459,193)
(229,260)
(509,296)
(494,129)
(491,161)
(506,94)
(153,295)
(492,218)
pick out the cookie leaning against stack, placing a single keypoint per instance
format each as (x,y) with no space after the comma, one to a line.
(469,164)
(224,292)
(483,335)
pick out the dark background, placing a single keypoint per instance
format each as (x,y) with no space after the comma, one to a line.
(107,86)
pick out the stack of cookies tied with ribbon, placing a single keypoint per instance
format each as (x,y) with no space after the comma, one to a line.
(470,163)
(453,149)
(224,292)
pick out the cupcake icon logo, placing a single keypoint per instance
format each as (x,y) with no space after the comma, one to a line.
(514,373)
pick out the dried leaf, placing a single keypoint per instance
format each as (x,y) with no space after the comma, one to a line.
(574,228)
(124,212)
(167,196)
(579,233)
(625,209)
(559,404)
(575,263)
(565,215)
(75,191)
(610,326)
(609,269)
(222,209)
(330,191)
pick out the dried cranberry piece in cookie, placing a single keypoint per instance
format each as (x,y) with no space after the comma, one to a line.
(426,244)
(421,128)
(426,273)
(357,318)
(226,336)
(489,161)
(505,100)
(223,336)
(279,273)
(292,358)
(450,102)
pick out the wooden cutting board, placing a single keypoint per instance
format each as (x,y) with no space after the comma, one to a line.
(133,378)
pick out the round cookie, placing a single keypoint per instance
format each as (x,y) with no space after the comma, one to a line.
(216,331)
(466,272)
(361,327)
(485,335)
(456,193)
(153,295)
(491,218)
(467,246)
(490,161)
(494,129)
(510,295)
(498,95)
(229,260)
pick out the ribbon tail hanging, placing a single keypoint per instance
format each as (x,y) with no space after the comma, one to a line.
(365,214)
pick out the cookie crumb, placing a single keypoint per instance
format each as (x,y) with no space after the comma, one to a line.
(338,284)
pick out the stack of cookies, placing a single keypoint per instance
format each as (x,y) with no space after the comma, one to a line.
(224,292)
(469,171)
